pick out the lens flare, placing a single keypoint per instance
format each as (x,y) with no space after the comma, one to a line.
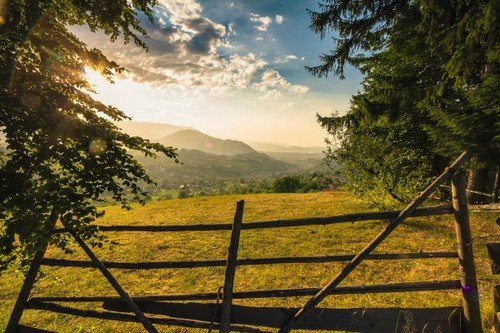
(97,146)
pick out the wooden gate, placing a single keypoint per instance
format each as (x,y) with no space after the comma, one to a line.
(228,317)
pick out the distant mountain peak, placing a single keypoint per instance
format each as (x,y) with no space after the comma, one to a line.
(194,139)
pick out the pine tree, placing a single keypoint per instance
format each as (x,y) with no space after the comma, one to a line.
(431,71)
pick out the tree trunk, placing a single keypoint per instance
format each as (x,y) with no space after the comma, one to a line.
(496,185)
(481,185)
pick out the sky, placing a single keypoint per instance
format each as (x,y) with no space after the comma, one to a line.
(231,69)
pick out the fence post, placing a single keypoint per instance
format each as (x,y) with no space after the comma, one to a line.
(227,300)
(30,278)
(470,296)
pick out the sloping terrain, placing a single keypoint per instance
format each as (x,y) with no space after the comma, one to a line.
(193,139)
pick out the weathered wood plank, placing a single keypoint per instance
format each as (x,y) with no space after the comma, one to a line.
(351,320)
(470,294)
(494,254)
(232,256)
(368,289)
(245,261)
(357,217)
(391,226)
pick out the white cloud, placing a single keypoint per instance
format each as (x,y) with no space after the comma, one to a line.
(272,85)
(262,21)
(287,58)
(181,10)
(230,29)
(279,19)
(184,56)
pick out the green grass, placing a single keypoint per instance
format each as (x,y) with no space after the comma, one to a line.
(427,234)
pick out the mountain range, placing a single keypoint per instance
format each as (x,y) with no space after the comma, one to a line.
(210,163)
(190,138)
(207,158)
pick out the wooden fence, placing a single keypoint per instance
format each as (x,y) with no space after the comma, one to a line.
(228,317)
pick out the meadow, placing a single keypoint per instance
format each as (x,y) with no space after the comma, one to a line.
(426,234)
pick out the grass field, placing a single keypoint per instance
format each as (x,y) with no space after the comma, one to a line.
(427,234)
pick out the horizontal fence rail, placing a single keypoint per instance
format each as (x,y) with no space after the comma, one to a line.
(357,217)
(241,262)
(364,289)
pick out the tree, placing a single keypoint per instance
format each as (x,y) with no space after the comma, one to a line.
(286,184)
(63,152)
(431,75)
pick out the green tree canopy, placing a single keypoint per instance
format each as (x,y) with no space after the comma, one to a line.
(63,150)
(430,89)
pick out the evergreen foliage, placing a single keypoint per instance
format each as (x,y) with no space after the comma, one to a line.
(63,150)
(430,89)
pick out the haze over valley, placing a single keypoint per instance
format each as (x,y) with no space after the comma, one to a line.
(213,165)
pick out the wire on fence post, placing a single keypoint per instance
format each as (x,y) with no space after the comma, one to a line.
(214,313)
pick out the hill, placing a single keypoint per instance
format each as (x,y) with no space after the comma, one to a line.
(193,139)
(196,163)
(207,170)
(303,160)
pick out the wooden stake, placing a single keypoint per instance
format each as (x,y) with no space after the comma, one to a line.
(315,300)
(227,300)
(24,294)
(470,296)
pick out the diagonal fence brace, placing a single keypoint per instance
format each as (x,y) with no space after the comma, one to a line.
(111,279)
(326,290)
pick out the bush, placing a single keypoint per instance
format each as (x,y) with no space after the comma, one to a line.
(287,184)
(183,192)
